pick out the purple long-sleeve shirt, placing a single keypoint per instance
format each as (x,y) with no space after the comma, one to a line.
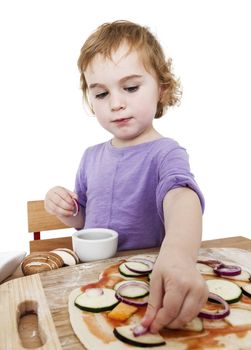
(123,188)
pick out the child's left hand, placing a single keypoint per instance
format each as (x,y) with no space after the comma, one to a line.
(177,293)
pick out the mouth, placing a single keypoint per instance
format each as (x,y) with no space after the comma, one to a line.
(122,120)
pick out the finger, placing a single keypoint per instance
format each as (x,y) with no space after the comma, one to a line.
(67,201)
(55,208)
(170,310)
(73,195)
(190,308)
(72,200)
(65,195)
(154,300)
(60,202)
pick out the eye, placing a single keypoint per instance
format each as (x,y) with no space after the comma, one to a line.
(101,95)
(132,88)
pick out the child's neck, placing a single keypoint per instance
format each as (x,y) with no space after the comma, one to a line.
(151,136)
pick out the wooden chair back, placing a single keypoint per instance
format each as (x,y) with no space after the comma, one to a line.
(39,220)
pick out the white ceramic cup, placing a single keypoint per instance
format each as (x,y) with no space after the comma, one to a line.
(95,243)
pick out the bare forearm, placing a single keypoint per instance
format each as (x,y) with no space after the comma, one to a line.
(177,290)
(183,222)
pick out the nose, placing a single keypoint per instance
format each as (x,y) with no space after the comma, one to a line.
(117,102)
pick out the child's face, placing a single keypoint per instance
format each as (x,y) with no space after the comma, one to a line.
(123,95)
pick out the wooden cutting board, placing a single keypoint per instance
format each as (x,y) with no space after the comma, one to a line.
(47,295)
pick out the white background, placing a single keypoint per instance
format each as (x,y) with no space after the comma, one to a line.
(45,129)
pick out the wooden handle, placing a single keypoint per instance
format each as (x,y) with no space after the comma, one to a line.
(19,297)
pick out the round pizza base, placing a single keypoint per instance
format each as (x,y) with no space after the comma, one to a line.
(78,319)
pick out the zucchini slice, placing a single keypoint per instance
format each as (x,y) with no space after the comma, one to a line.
(246,289)
(205,269)
(133,291)
(195,325)
(228,290)
(243,276)
(106,301)
(128,273)
(147,340)
(239,317)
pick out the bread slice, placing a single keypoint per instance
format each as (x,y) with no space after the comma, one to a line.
(40,262)
(69,256)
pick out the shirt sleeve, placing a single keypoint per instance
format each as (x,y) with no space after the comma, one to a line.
(174,172)
(81,181)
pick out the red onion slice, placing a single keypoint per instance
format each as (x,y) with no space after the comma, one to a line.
(212,263)
(222,269)
(94,292)
(219,314)
(128,300)
(76,210)
(139,330)
(145,260)
(227,270)
(149,265)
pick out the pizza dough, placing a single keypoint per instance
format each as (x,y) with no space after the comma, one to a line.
(95,330)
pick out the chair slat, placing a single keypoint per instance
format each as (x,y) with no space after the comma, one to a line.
(39,220)
(45,245)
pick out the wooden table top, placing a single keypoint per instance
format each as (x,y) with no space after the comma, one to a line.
(29,322)
(230,242)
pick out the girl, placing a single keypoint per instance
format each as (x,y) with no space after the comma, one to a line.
(139,183)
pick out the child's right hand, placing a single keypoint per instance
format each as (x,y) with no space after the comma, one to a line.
(59,201)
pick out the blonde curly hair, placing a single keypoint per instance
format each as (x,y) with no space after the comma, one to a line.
(107,39)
